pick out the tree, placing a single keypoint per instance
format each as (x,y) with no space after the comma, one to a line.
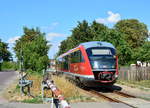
(33,48)
(143,53)
(4,53)
(63,47)
(81,33)
(135,32)
(99,32)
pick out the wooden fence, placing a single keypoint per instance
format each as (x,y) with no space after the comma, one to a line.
(134,73)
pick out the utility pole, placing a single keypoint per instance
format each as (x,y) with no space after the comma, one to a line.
(21,70)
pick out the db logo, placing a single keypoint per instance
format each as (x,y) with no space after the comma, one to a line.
(75,68)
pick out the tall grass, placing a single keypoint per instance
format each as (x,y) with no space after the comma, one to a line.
(68,89)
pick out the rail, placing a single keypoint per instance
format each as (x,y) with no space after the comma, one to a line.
(109,98)
(123,94)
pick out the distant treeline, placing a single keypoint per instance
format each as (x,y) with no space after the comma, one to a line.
(130,37)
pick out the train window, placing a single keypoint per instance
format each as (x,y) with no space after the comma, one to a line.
(101,52)
(66,64)
(96,51)
(76,57)
(63,63)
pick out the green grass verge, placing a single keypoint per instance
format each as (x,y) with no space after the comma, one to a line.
(144,84)
(35,100)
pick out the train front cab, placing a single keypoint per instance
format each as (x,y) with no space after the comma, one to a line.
(104,66)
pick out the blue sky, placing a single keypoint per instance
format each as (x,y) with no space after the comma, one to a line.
(58,17)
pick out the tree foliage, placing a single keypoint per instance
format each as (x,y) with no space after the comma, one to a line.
(135,32)
(83,33)
(4,52)
(143,53)
(127,36)
(33,48)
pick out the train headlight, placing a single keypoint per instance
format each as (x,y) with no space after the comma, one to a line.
(95,66)
(116,76)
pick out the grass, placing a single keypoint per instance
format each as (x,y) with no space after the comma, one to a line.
(68,89)
(144,84)
(37,99)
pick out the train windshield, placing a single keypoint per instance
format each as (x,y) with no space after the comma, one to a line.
(102,58)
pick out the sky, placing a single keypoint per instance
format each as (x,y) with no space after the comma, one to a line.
(58,17)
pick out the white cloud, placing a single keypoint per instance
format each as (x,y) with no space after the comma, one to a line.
(52,35)
(101,20)
(54,23)
(50,27)
(112,18)
(13,39)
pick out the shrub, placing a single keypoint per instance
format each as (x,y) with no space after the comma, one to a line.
(9,65)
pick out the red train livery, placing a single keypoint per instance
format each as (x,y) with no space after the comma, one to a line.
(92,63)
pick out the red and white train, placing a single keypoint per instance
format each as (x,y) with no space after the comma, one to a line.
(92,63)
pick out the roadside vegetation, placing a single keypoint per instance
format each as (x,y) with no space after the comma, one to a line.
(71,92)
(5,57)
(9,65)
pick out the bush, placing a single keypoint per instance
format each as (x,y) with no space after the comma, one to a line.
(8,66)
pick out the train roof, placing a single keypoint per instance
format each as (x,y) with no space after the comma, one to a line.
(89,45)
(97,44)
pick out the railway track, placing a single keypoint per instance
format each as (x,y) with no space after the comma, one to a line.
(123,94)
(110,99)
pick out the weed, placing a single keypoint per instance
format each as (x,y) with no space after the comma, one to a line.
(33,100)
